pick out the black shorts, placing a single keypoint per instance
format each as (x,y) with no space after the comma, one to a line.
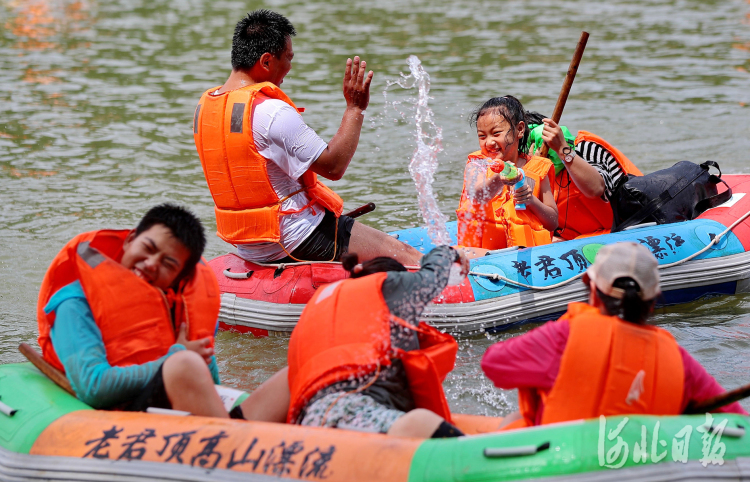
(319,246)
(155,395)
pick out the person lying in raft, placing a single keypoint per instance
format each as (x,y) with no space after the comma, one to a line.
(602,358)
(130,317)
(261,160)
(489,214)
(360,360)
(587,171)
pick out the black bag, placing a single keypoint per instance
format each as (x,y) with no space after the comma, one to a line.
(675,194)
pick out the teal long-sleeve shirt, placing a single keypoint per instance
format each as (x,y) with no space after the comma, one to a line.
(80,347)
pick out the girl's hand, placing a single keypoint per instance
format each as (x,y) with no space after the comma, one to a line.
(525,194)
(506,181)
(202,347)
(553,135)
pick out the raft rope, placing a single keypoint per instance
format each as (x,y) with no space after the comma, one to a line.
(283,266)
(716,240)
(495,276)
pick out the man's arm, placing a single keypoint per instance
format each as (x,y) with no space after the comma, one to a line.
(79,346)
(334,160)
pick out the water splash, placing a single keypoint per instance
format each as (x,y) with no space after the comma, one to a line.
(429,140)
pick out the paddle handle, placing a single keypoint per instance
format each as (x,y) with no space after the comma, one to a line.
(52,373)
(719,401)
(367,208)
(569,78)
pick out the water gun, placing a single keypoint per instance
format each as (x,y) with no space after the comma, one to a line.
(509,171)
(519,185)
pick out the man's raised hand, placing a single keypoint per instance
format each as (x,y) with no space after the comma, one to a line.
(356,84)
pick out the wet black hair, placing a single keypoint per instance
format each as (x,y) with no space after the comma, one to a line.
(185,226)
(513,112)
(630,307)
(259,32)
(376,265)
(534,118)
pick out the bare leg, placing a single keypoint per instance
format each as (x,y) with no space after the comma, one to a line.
(510,418)
(418,423)
(270,401)
(370,243)
(189,385)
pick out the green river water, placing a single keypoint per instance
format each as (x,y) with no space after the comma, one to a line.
(97,98)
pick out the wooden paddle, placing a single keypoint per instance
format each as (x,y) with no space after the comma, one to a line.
(52,373)
(569,78)
(719,401)
(367,208)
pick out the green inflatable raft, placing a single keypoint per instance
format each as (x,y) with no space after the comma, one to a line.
(45,434)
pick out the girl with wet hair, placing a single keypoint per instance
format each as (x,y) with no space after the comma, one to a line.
(587,169)
(512,111)
(602,357)
(489,215)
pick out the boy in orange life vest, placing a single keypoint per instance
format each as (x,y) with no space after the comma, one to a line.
(359,358)
(602,358)
(130,317)
(261,160)
(487,217)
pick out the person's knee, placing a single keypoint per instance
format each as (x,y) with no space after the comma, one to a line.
(418,423)
(422,415)
(270,401)
(185,368)
(189,385)
(370,243)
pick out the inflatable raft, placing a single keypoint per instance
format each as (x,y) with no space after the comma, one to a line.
(46,434)
(512,286)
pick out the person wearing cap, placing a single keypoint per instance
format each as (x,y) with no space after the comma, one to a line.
(601,357)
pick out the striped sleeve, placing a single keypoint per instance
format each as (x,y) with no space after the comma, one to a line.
(604,162)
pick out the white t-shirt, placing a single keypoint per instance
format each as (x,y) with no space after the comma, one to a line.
(282,136)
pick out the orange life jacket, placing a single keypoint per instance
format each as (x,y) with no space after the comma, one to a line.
(497,224)
(578,215)
(134,317)
(248,210)
(609,367)
(344,333)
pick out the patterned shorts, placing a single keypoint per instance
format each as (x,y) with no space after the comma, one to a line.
(350,411)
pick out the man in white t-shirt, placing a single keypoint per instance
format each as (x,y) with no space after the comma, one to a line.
(289,152)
